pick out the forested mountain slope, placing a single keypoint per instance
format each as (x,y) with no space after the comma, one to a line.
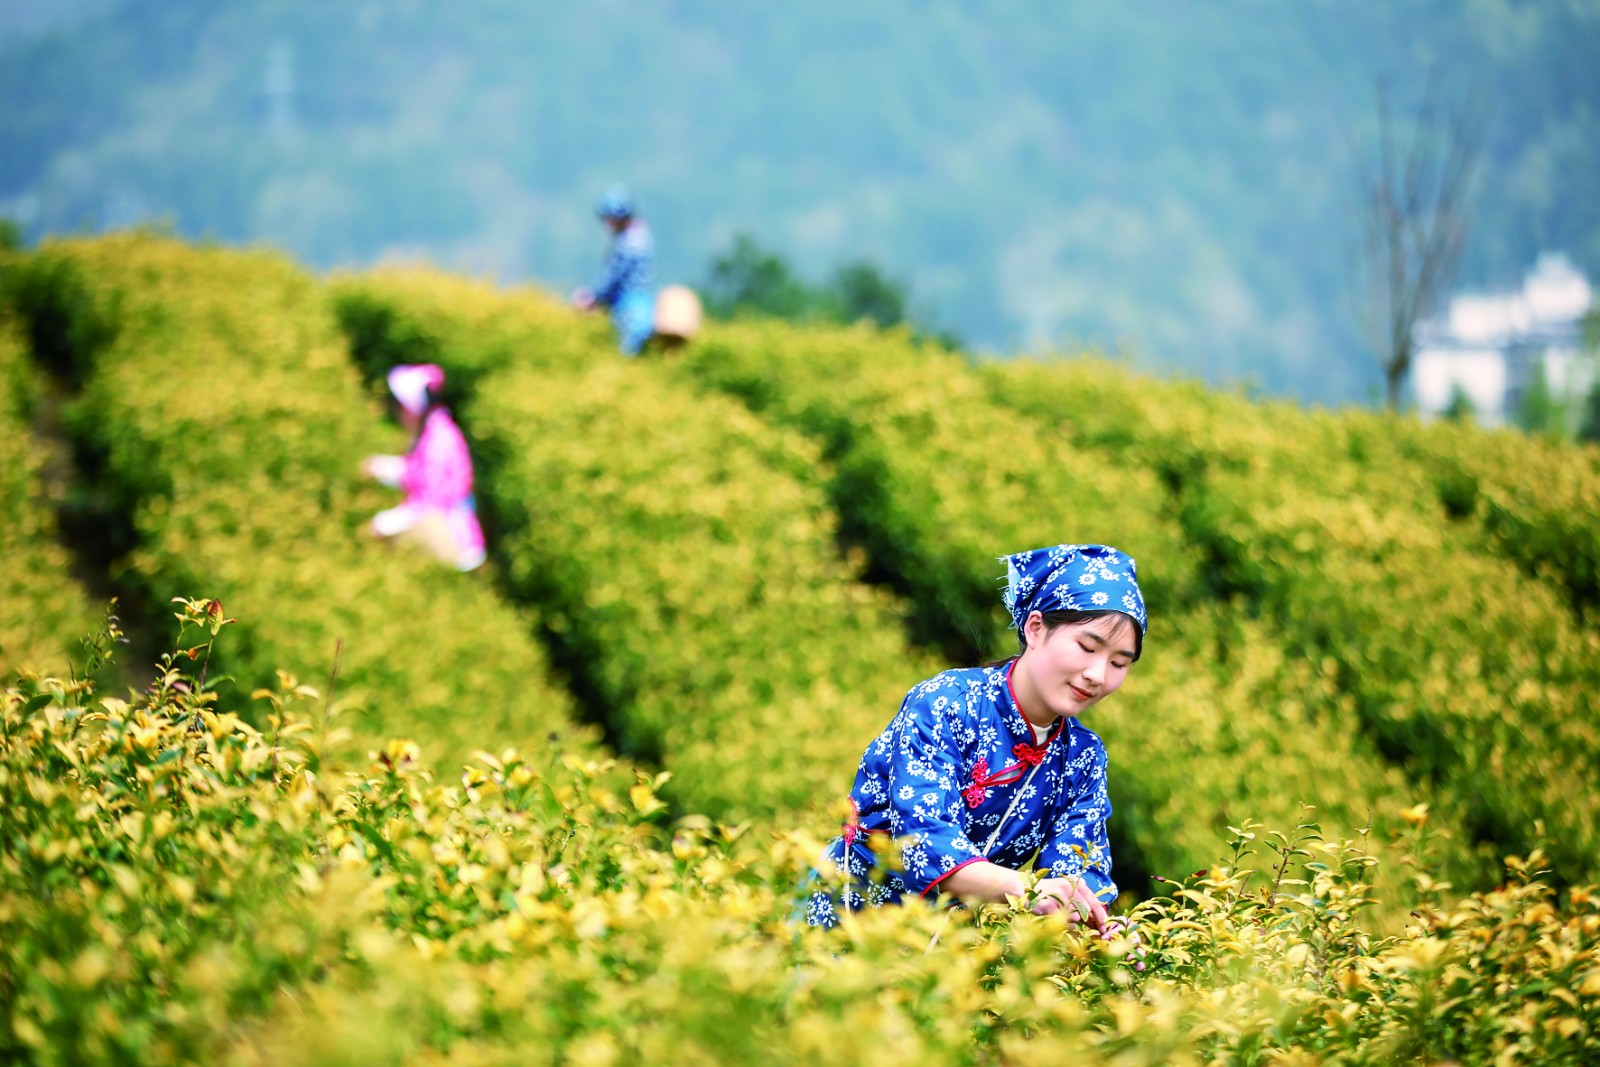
(1178,178)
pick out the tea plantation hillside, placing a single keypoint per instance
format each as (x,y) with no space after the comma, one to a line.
(368,809)
(682,550)
(219,427)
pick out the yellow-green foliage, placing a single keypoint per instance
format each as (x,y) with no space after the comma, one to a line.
(1540,501)
(936,478)
(43,611)
(421,315)
(1390,622)
(1476,679)
(686,541)
(1219,724)
(179,887)
(231,425)
(681,549)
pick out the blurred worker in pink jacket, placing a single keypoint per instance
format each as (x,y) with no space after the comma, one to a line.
(436,474)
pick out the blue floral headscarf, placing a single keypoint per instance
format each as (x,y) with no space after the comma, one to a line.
(1072,578)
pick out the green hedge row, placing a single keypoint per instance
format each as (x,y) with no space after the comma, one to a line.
(936,478)
(1330,624)
(44,611)
(1539,501)
(685,540)
(932,480)
(1474,678)
(681,551)
(178,888)
(224,418)
(407,314)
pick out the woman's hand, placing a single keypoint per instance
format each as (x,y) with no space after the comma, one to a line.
(988,881)
(390,470)
(1073,894)
(582,298)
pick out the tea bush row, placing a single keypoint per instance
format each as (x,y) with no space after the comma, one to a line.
(181,887)
(680,550)
(686,542)
(937,479)
(402,314)
(1538,500)
(928,473)
(1463,670)
(227,424)
(43,609)
(171,870)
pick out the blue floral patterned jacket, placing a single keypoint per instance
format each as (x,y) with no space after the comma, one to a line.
(940,779)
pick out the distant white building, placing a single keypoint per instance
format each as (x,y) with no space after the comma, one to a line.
(1491,346)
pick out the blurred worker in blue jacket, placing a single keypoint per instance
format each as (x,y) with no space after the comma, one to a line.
(628,283)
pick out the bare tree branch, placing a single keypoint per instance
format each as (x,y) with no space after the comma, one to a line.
(1415,213)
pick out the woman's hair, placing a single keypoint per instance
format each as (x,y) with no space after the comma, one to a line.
(1052,619)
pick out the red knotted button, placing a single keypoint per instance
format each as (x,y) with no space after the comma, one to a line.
(1029,754)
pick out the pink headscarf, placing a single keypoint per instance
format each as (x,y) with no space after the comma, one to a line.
(410,382)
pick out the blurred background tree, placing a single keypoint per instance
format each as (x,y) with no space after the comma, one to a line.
(859,290)
(1417,201)
(1589,427)
(1460,408)
(1589,423)
(1540,410)
(748,279)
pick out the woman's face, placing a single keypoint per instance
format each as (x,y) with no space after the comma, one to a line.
(1073,667)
